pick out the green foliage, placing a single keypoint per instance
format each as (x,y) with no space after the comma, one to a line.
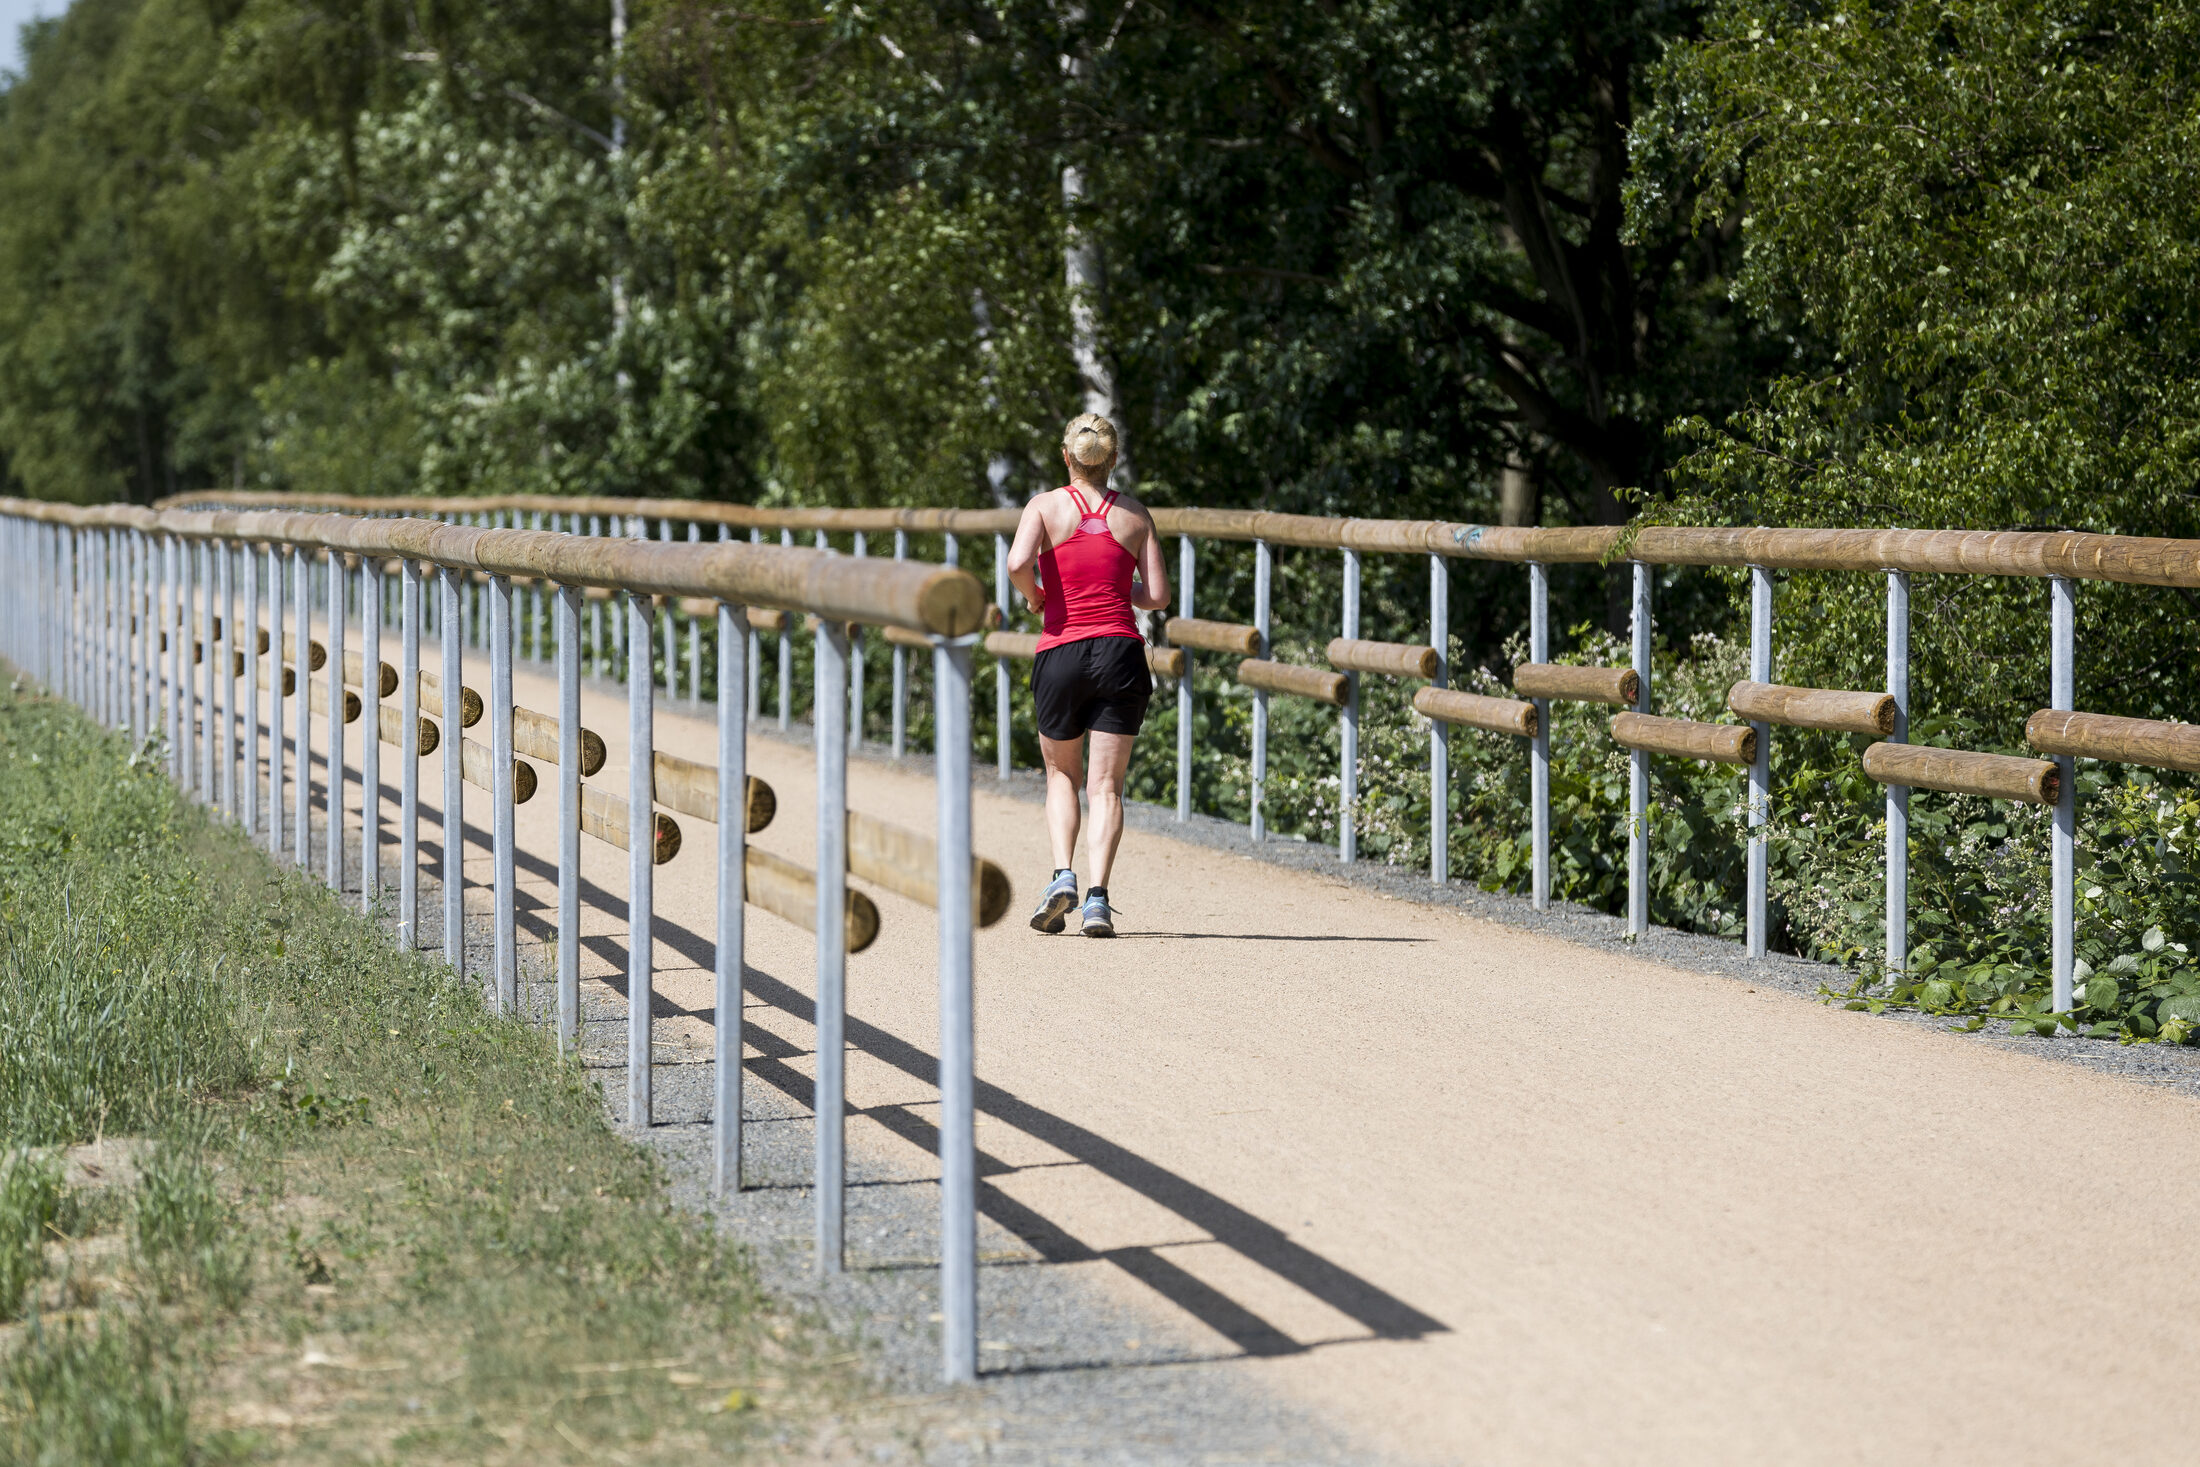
(30,1199)
(1987,209)
(110,1029)
(97,1393)
(185,1232)
(359,1148)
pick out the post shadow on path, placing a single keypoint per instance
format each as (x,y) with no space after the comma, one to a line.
(1381,1314)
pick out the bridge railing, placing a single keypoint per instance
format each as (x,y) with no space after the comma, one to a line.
(133,614)
(2059,732)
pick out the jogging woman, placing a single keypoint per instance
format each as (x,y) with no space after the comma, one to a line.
(1074,559)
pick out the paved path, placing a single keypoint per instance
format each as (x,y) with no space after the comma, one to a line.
(1422,1187)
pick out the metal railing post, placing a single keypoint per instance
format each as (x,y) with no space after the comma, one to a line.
(172,632)
(1187,566)
(1263,577)
(1760,768)
(1638,770)
(1439,740)
(203,685)
(504,939)
(223,651)
(249,795)
(958,1081)
(1348,763)
(275,700)
(858,645)
(1539,748)
(829,721)
(1004,717)
(566,601)
(731,997)
(408,754)
(641,850)
(672,633)
(786,656)
(2062,694)
(338,615)
(901,669)
(756,655)
(454,771)
(370,733)
(1898,796)
(301,809)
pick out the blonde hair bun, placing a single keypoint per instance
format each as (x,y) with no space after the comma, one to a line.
(1090,440)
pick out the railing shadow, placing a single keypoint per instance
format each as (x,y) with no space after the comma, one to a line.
(1382,1314)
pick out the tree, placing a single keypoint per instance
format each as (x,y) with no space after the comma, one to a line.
(1991,211)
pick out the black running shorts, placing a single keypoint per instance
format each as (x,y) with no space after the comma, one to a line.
(1098,685)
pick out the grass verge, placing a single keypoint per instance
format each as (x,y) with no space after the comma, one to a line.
(272,1190)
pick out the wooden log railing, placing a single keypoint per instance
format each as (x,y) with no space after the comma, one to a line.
(1473,710)
(1200,635)
(1682,738)
(2131,559)
(2122,740)
(1963,772)
(1620,685)
(1323,686)
(1389,659)
(1819,708)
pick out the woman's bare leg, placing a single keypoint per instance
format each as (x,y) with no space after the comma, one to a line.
(1065,761)
(1111,763)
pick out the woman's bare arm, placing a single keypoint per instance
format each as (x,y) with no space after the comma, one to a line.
(1152,592)
(1023,556)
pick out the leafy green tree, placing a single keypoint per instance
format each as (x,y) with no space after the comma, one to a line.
(1991,210)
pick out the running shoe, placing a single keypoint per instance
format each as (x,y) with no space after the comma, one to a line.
(1099,920)
(1052,914)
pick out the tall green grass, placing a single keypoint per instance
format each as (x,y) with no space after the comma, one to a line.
(334,1140)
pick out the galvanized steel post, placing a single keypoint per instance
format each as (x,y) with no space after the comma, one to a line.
(504,940)
(567,614)
(1898,796)
(275,788)
(222,653)
(829,718)
(901,669)
(1439,740)
(857,646)
(301,810)
(1348,771)
(731,997)
(641,760)
(1263,576)
(1187,566)
(203,722)
(454,775)
(408,787)
(173,635)
(2062,694)
(756,656)
(1004,718)
(958,1033)
(786,655)
(1760,769)
(1638,770)
(338,614)
(370,734)
(1539,748)
(249,796)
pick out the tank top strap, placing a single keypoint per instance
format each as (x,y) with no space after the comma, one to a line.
(1083,509)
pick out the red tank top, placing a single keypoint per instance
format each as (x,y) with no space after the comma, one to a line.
(1087,579)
